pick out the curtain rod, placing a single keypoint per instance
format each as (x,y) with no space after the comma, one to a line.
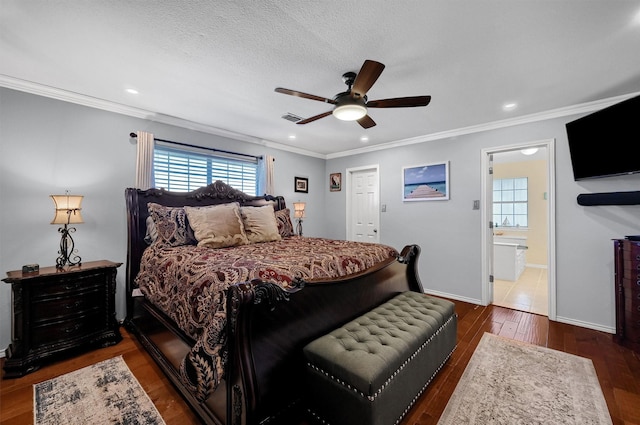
(134,135)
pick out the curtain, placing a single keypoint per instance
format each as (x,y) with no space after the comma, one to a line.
(267,172)
(144,162)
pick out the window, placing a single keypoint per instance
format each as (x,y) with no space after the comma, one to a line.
(510,202)
(184,170)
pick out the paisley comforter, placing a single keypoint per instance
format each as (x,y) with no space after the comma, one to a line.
(188,284)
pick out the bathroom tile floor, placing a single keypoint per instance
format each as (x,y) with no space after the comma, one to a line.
(529,293)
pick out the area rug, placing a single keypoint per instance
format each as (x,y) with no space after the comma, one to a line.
(103,393)
(511,382)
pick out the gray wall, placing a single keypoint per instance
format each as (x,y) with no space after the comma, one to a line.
(449,232)
(48,146)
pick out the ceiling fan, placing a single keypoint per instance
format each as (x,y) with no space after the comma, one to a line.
(352,104)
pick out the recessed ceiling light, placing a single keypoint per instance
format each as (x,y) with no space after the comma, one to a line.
(510,106)
(292,136)
(529,151)
(131,91)
(364,139)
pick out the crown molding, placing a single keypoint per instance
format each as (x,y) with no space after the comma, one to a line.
(92,102)
(525,119)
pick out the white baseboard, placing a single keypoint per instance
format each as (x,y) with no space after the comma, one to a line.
(536,266)
(452,296)
(588,325)
(580,323)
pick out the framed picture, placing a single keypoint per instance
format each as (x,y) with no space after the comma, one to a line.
(301,184)
(427,182)
(335,182)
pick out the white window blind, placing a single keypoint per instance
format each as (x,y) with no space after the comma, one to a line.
(184,170)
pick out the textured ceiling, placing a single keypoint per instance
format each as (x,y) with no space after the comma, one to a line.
(217,63)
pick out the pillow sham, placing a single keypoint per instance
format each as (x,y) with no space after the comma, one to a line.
(171,225)
(260,224)
(152,233)
(217,226)
(285,226)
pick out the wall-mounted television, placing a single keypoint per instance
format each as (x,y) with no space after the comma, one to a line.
(607,142)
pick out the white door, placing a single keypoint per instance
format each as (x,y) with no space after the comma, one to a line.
(363,205)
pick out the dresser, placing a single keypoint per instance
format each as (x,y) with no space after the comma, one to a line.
(627,282)
(56,312)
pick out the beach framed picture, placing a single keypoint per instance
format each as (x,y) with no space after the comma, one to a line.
(426,182)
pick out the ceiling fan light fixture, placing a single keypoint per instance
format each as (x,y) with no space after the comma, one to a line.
(350,112)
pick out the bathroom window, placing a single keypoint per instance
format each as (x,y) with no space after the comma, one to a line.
(510,202)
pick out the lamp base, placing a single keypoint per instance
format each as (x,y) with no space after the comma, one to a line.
(68,254)
(299,227)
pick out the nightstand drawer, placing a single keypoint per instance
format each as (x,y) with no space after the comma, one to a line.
(66,286)
(63,330)
(63,307)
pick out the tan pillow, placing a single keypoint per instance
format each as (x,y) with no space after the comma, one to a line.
(260,224)
(217,226)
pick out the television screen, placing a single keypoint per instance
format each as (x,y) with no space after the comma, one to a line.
(607,142)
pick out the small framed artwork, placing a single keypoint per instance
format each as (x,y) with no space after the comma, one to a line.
(335,182)
(427,182)
(301,184)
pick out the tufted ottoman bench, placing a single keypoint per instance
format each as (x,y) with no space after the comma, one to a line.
(372,370)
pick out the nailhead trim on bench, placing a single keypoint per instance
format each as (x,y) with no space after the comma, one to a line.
(406,410)
(393,375)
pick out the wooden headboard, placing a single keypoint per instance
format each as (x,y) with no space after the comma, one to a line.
(216,193)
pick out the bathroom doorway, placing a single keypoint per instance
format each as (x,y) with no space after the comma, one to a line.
(519,247)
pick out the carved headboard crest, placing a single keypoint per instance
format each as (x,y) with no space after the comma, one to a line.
(219,190)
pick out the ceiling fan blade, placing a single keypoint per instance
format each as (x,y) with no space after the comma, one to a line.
(366,122)
(304,95)
(315,117)
(400,102)
(367,76)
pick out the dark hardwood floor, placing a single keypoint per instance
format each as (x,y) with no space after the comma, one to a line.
(618,368)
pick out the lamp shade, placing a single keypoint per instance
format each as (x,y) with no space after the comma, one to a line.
(68,209)
(298,209)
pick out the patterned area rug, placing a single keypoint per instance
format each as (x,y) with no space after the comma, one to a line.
(511,382)
(103,393)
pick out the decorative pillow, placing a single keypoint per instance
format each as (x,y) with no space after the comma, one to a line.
(260,224)
(217,226)
(283,218)
(171,225)
(152,233)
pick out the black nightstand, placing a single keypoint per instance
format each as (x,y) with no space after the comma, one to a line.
(56,312)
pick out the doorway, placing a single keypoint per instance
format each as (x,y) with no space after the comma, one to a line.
(363,204)
(519,261)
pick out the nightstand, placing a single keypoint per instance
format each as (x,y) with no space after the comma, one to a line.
(57,312)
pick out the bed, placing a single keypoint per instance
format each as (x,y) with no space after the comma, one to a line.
(265,311)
